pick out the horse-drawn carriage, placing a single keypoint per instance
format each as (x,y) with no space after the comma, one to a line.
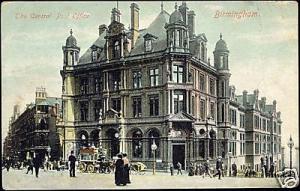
(92,160)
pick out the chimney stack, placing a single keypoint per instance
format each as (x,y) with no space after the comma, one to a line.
(183,9)
(191,24)
(102,28)
(263,99)
(245,98)
(274,105)
(134,23)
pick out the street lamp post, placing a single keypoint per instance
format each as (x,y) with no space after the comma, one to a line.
(153,148)
(290,145)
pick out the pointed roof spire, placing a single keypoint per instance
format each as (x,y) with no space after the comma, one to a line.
(162,6)
(71,32)
(117,4)
(220,35)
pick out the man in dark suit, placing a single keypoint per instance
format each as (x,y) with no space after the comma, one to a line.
(219,167)
(37,163)
(72,160)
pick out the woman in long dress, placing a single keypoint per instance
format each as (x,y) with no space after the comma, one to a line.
(119,172)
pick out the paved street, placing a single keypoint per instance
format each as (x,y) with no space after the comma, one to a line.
(17,179)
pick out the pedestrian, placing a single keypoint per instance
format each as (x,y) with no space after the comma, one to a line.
(72,161)
(234,169)
(206,169)
(36,163)
(8,163)
(219,167)
(272,170)
(126,168)
(179,168)
(119,171)
(171,168)
(191,169)
(30,165)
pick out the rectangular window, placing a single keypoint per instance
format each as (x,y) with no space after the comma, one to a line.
(202,109)
(256,148)
(177,74)
(223,89)
(233,116)
(94,55)
(116,104)
(97,107)
(137,79)
(256,122)
(137,107)
(274,127)
(202,82)
(178,102)
(148,45)
(193,105)
(97,85)
(84,86)
(212,86)
(212,110)
(115,80)
(154,105)
(84,108)
(264,124)
(154,77)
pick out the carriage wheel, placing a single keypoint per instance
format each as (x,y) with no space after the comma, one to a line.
(82,167)
(90,168)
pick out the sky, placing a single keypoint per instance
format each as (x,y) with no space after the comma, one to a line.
(263,48)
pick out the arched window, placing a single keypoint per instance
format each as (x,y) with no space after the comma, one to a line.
(84,139)
(137,144)
(95,138)
(153,137)
(43,124)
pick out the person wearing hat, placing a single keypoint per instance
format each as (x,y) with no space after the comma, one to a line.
(72,161)
(119,172)
(126,168)
(219,167)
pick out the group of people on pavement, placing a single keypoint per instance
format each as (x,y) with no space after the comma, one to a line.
(122,168)
(199,169)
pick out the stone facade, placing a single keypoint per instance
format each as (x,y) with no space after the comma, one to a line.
(136,87)
(34,130)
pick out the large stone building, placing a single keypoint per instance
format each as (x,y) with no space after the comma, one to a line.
(34,130)
(135,87)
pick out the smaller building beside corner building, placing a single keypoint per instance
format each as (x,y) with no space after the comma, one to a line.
(133,88)
(34,131)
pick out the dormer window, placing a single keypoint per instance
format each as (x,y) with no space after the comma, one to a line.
(96,51)
(148,39)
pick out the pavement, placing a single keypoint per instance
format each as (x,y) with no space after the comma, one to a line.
(49,180)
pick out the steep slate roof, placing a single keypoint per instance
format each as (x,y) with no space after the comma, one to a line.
(51,101)
(156,28)
(86,57)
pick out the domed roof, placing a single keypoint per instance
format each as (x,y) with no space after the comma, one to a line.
(175,16)
(221,45)
(71,40)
